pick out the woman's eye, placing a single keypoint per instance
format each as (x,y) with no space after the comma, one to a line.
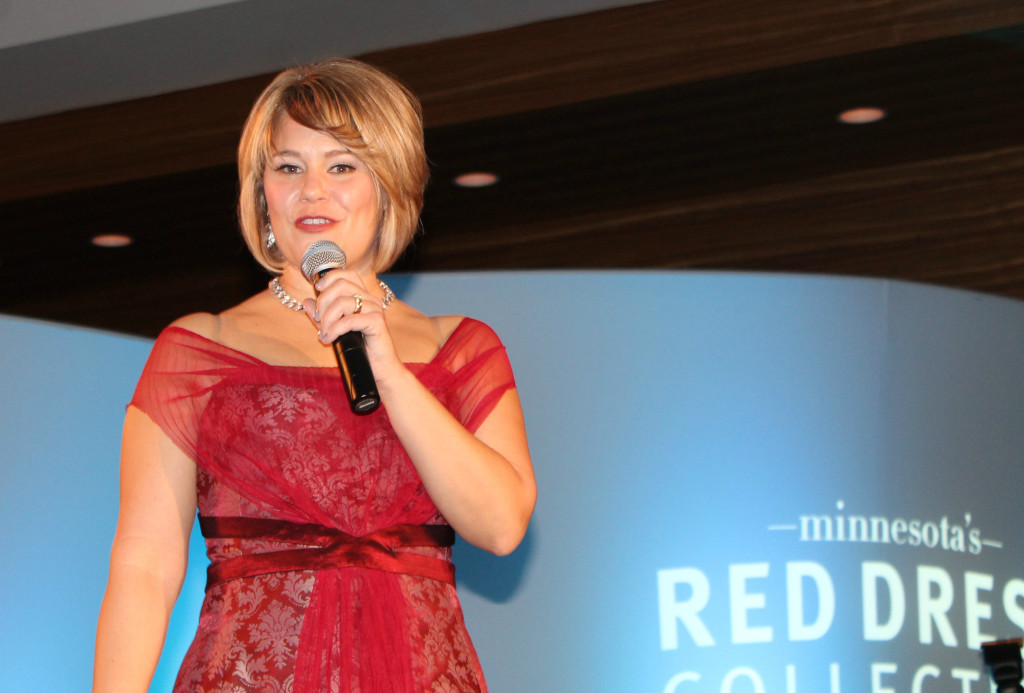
(287,168)
(342,168)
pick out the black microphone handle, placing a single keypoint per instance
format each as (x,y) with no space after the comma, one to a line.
(350,350)
(356,374)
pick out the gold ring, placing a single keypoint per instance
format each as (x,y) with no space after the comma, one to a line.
(359,303)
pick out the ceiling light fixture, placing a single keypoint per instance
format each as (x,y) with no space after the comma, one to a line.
(861,116)
(111,240)
(476,179)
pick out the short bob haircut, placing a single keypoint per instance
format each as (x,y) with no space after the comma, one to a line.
(367,111)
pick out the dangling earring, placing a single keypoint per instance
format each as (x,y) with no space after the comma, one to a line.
(270,236)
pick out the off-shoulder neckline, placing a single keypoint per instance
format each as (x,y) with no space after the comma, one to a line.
(440,350)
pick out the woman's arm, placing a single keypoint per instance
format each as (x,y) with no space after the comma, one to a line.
(148,558)
(482,483)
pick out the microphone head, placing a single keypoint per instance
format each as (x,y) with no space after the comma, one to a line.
(321,257)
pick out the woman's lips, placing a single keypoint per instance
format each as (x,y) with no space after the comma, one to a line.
(313,224)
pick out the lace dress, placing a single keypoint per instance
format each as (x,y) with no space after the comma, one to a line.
(330,565)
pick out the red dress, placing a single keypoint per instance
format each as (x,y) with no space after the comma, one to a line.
(330,565)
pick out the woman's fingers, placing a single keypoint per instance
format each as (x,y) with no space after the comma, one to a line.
(344,304)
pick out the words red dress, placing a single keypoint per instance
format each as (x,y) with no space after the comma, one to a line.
(330,565)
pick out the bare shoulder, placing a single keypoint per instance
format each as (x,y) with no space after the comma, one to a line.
(444,325)
(418,336)
(214,326)
(203,324)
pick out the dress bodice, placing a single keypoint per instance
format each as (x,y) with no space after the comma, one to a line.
(280,443)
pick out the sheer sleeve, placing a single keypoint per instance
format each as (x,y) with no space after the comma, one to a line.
(180,374)
(470,373)
(479,370)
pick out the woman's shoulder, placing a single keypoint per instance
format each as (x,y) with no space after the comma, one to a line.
(253,329)
(216,326)
(445,325)
(465,337)
(464,324)
(203,324)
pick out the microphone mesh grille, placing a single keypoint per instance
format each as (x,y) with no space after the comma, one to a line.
(320,257)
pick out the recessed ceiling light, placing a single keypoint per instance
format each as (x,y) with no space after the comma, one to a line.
(111,240)
(861,116)
(476,179)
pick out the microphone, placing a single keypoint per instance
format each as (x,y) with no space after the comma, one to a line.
(350,348)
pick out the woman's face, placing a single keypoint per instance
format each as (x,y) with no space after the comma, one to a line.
(316,189)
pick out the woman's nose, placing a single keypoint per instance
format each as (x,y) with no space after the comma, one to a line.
(314,186)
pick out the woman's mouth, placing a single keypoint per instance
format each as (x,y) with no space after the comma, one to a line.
(313,223)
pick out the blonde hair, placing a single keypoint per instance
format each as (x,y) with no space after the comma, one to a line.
(367,111)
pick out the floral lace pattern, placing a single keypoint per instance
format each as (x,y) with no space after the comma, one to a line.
(280,443)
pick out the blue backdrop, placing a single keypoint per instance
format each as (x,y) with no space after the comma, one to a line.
(748,484)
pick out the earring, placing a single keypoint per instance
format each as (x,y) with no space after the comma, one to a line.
(270,237)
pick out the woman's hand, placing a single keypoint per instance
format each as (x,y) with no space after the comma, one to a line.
(344,303)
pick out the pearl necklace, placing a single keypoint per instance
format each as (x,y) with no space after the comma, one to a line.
(288,302)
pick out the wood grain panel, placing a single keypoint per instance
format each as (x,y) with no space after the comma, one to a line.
(525,68)
(654,44)
(954,221)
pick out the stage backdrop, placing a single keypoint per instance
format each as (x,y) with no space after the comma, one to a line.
(748,484)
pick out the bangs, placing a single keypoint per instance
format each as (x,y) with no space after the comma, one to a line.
(324,108)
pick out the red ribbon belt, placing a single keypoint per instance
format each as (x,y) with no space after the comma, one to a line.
(326,547)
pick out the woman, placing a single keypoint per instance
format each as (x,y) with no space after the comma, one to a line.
(328,532)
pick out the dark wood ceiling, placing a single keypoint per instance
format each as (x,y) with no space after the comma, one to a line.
(669,135)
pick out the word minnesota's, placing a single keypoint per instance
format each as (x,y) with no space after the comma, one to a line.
(881,530)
